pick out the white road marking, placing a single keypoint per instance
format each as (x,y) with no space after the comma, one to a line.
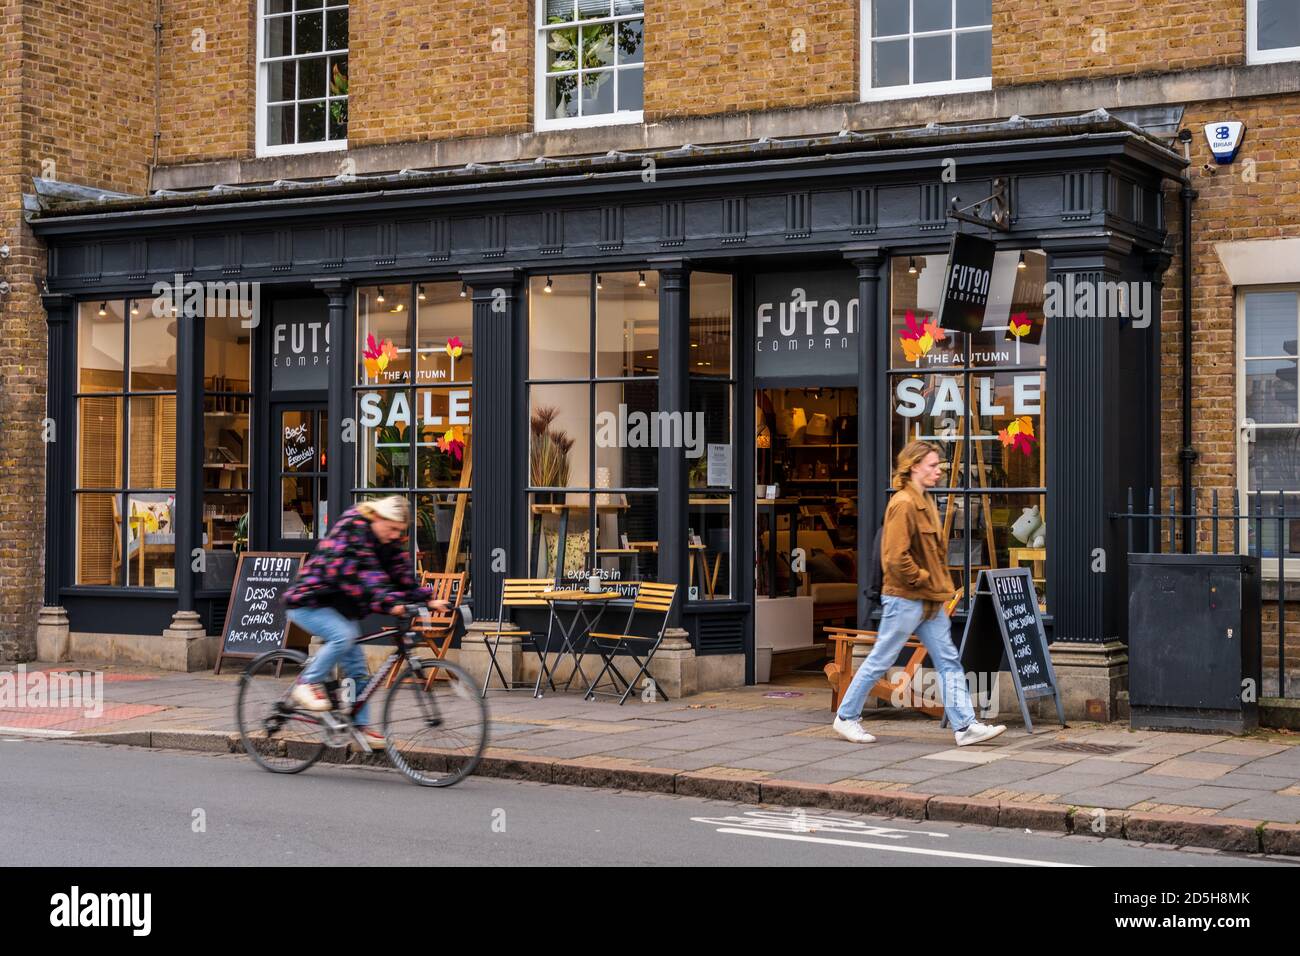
(952,854)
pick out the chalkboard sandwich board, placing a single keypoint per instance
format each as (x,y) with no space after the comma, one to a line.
(255,618)
(1005,632)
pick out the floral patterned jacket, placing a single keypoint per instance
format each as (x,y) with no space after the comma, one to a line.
(352,572)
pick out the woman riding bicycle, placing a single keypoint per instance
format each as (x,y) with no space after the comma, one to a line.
(360,567)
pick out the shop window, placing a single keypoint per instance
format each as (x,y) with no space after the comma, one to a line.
(414,405)
(302,86)
(593,386)
(126,443)
(1272,31)
(981,398)
(227,444)
(590,62)
(711,472)
(1269,412)
(926,47)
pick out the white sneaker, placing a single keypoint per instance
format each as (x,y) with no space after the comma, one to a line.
(852,730)
(977,732)
(310,697)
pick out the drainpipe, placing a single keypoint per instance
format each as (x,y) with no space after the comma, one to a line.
(157,90)
(1187,454)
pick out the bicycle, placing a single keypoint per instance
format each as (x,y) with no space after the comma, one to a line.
(283,738)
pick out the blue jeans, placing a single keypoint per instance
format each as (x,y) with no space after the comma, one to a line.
(902,619)
(338,633)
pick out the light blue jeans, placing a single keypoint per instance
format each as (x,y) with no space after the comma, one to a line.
(338,633)
(900,620)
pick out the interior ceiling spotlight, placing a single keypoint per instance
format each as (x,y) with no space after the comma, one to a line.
(911,265)
(640,280)
(598,285)
(103,309)
(380,297)
(421,295)
(547,288)
(135,306)
(464,290)
(1021,263)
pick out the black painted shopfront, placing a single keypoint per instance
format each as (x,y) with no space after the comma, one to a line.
(488,341)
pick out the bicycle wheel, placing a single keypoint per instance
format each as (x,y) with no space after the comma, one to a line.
(436,736)
(277,735)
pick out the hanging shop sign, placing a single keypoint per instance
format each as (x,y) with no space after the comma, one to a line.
(966,283)
(300,346)
(806,325)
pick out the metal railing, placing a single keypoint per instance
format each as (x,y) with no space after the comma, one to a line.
(1157,531)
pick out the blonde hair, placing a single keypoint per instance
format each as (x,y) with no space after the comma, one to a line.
(913,454)
(392,508)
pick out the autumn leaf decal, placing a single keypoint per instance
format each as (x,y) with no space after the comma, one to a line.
(1019,325)
(455,346)
(918,337)
(1019,434)
(452,442)
(377,355)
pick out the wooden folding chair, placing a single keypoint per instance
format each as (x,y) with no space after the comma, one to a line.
(653,599)
(438,630)
(517,593)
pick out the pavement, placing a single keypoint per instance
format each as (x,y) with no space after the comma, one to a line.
(773,745)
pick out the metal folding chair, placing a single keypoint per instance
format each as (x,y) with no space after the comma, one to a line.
(517,593)
(439,629)
(651,600)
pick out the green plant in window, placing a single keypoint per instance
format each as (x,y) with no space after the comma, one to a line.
(241,534)
(339,87)
(548,450)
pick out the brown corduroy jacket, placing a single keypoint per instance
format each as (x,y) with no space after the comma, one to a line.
(914,564)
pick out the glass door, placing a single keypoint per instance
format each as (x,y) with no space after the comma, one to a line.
(300,514)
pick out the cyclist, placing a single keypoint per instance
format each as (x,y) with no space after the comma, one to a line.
(361,566)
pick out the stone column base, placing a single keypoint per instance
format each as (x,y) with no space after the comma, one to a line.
(476,659)
(674,667)
(53,635)
(185,645)
(1090,679)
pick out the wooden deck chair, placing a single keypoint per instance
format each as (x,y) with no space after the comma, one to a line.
(655,600)
(517,593)
(439,628)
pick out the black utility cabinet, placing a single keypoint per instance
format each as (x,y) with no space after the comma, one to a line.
(1193,642)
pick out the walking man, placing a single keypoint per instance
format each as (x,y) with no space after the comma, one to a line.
(916,587)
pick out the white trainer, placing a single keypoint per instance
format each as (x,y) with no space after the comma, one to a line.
(977,733)
(852,730)
(310,697)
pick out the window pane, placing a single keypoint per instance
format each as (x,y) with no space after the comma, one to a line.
(709,531)
(710,404)
(99,559)
(974,54)
(927,408)
(151,540)
(279,6)
(560,11)
(916,339)
(631,89)
(973,13)
(710,301)
(1267,535)
(338,119)
(383,344)
(1000,531)
(559,435)
(153,350)
(384,417)
(1014,321)
(227,350)
(443,449)
(226,445)
(627,324)
(298,508)
(444,334)
(101,342)
(597,93)
(554,516)
(627,531)
(588,9)
(309,33)
(298,448)
(336,29)
(1006,427)
(442,532)
(1279,24)
(280,82)
(311,78)
(889,63)
(889,18)
(153,442)
(1271,391)
(628,431)
(1271,324)
(559,326)
(932,59)
(561,49)
(280,125)
(597,45)
(562,97)
(631,41)
(931,15)
(311,122)
(225,534)
(99,442)
(307,4)
(622,7)
(278,34)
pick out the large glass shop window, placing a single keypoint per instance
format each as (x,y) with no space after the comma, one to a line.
(980,398)
(415,368)
(593,449)
(126,443)
(710,458)
(227,443)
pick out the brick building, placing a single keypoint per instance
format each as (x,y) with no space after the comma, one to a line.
(655,170)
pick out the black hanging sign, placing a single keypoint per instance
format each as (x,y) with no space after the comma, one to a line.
(255,618)
(1005,632)
(967,283)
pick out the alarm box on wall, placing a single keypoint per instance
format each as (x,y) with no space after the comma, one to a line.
(1193,642)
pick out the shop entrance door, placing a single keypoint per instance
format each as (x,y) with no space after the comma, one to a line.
(299,509)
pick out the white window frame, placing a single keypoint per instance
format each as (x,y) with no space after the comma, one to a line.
(1268,566)
(289,149)
(869,93)
(541,122)
(1253,53)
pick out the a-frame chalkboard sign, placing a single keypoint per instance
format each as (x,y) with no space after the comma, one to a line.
(1005,632)
(255,617)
